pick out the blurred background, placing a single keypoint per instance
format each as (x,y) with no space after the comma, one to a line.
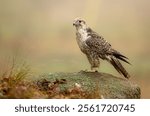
(41,33)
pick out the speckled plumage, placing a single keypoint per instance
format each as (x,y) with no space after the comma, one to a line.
(95,47)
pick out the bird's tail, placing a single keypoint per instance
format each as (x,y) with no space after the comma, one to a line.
(118,66)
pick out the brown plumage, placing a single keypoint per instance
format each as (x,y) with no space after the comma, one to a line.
(95,47)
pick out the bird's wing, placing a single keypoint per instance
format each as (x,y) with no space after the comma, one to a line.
(98,44)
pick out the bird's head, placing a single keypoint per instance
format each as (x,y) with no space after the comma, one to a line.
(79,23)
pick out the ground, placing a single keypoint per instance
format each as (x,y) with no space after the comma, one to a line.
(78,85)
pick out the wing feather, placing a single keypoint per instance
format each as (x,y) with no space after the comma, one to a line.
(97,43)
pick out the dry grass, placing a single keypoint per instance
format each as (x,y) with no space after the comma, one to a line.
(14,85)
(43,89)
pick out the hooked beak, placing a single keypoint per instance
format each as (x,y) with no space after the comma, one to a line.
(74,24)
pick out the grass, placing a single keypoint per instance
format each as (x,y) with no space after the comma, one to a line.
(15,85)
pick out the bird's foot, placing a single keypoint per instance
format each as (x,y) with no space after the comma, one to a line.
(92,70)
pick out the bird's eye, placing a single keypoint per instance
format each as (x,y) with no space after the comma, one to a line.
(79,21)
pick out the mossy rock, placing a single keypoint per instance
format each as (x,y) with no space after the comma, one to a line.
(105,85)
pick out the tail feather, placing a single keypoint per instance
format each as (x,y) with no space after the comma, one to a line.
(123,59)
(120,56)
(118,66)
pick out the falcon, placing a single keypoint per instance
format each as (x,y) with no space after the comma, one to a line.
(95,47)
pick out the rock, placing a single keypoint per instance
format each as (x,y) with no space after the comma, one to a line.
(101,85)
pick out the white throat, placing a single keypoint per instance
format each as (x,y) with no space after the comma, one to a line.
(83,34)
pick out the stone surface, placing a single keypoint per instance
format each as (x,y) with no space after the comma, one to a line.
(109,86)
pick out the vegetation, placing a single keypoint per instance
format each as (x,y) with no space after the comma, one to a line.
(14,84)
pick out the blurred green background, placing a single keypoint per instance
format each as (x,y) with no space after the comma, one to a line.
(41,32)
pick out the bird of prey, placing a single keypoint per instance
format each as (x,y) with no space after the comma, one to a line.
(95,47)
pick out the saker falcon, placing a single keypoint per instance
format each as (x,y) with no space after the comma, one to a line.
(95,47)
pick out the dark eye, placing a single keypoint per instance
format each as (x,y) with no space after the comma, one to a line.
(79,21)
